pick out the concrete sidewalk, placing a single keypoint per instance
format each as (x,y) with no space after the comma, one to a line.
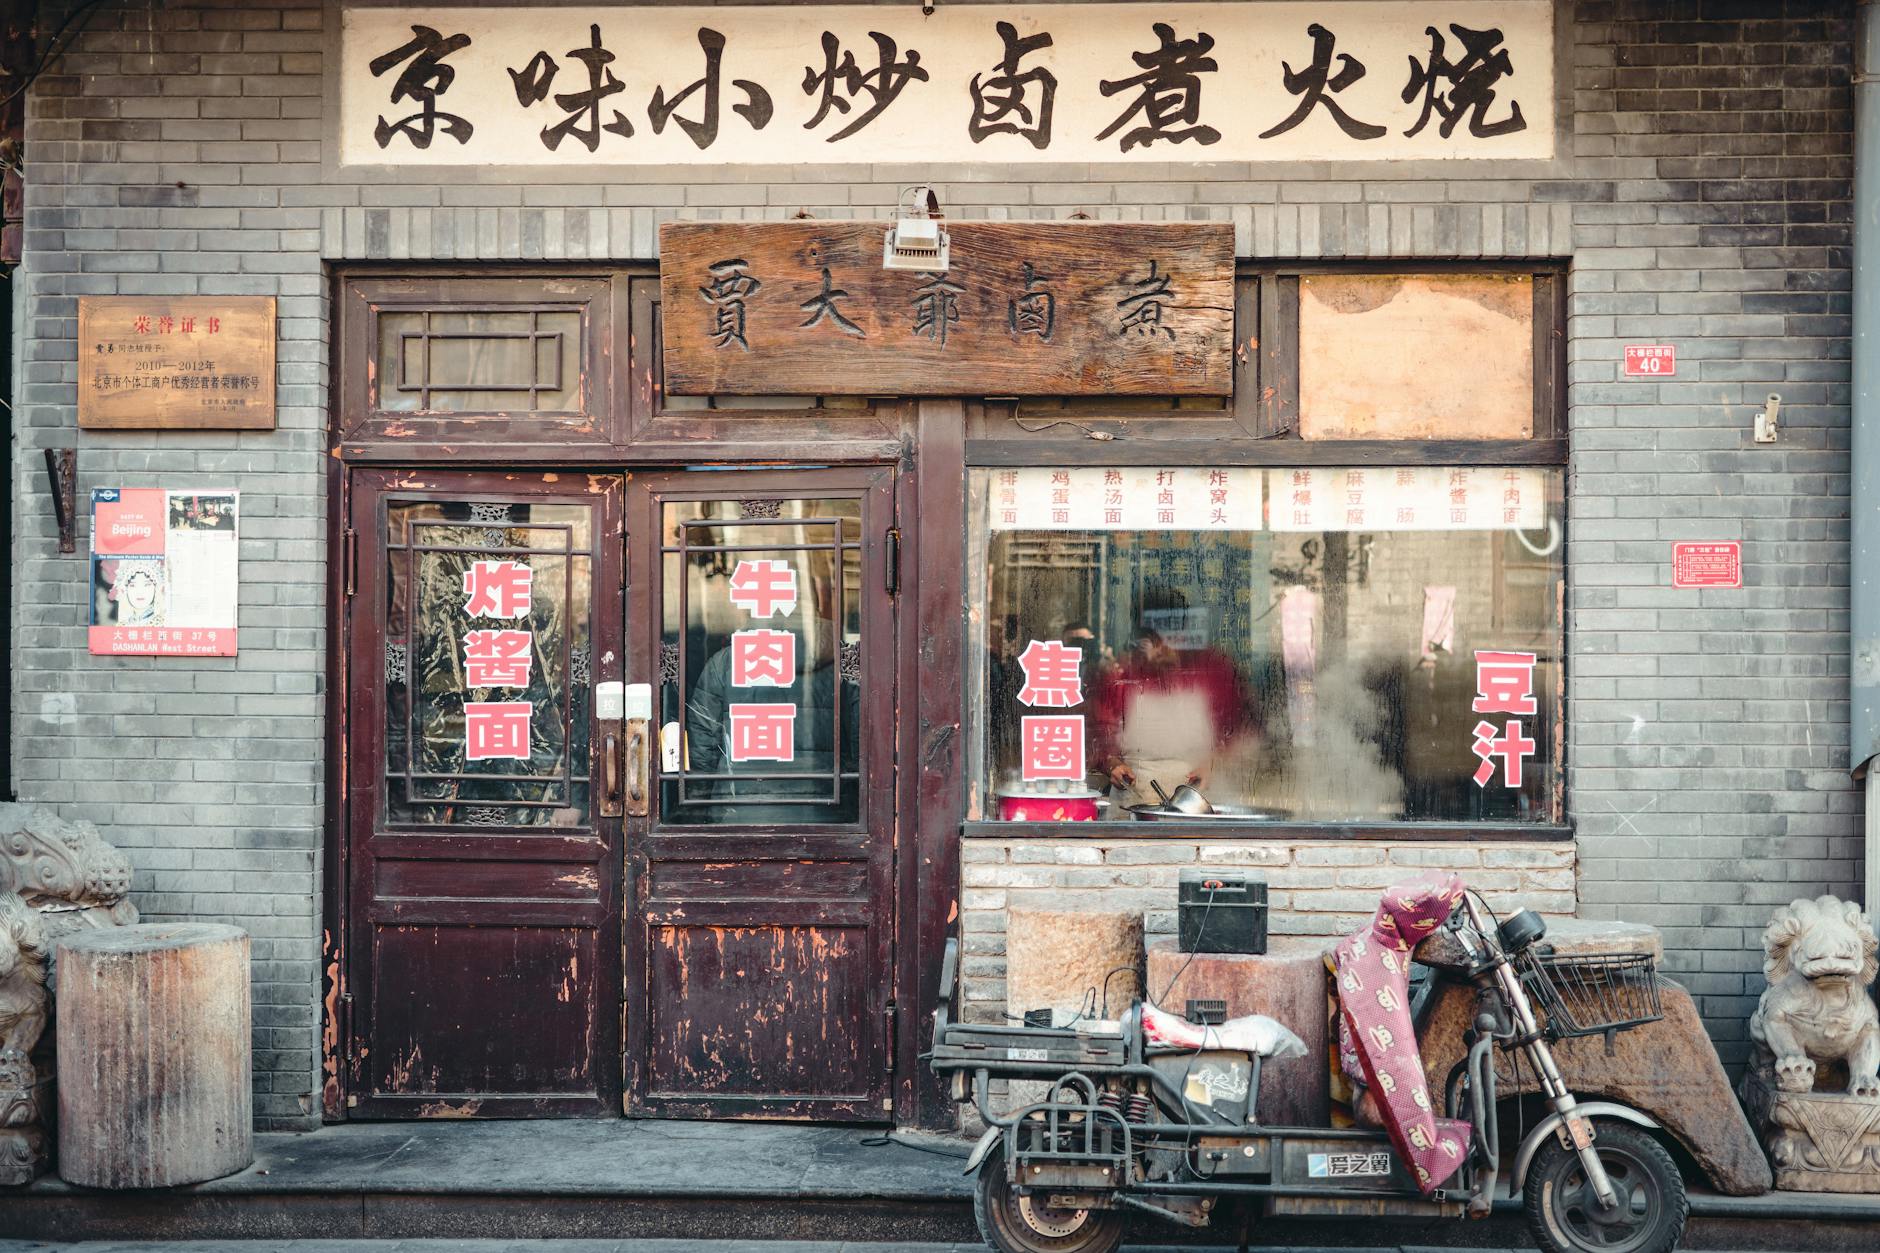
(614,1180)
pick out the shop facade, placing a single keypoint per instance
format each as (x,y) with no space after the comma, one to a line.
(1346,463)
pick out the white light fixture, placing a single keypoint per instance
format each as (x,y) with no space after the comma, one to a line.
(916,243)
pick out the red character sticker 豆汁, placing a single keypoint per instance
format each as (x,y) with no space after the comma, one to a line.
(1504,683)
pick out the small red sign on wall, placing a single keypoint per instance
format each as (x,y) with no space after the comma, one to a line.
(1707,565)
(1658,361)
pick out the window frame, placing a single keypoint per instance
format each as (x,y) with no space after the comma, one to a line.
(1256,428)
(1257,425)
(365,297)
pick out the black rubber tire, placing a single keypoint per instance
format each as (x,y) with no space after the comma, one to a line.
(1563,1214)
(1002,1224)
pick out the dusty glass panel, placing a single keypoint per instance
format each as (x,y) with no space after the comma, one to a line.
(1315,645)
(487,668)
(479,361)
(1429,356)
(760,661)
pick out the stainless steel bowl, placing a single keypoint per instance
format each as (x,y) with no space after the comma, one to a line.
(1220,813)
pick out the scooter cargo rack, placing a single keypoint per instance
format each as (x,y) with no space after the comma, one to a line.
(1025,1050)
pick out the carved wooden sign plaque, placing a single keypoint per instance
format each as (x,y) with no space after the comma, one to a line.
(1023,309)
(176,362)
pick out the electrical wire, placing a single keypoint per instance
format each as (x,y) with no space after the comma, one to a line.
(892,1137)
(1113,972)
(1200,930)
(1105,436)
(54,48)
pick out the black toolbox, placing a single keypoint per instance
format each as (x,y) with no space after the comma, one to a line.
(1220,911)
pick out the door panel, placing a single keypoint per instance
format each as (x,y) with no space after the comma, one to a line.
(483,854)
(760,939)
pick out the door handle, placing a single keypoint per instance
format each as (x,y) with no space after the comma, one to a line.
(610,772)
(637,748)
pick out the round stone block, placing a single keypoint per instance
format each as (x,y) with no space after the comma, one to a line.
(154,1036)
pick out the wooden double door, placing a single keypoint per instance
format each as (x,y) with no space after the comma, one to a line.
(566,894)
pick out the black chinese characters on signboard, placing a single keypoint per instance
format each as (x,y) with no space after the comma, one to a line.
(933,305)
(1463,77)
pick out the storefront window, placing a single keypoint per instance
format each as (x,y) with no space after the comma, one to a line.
(1340,645)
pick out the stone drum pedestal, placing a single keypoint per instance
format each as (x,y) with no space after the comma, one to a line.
(154,1055)
(1286,983)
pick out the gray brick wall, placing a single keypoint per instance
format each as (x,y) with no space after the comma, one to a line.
(1701,195)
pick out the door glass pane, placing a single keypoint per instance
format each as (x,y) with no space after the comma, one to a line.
(760,661)
(487,637)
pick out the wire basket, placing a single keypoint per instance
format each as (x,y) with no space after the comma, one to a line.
(1594,995)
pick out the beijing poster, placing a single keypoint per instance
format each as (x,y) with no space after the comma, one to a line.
(163,572)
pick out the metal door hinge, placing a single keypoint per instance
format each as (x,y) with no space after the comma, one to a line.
(894,1023)
(349,558)
(894,560)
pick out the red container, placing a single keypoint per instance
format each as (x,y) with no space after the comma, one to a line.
(1047,806)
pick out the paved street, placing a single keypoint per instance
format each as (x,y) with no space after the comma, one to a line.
(600,1246)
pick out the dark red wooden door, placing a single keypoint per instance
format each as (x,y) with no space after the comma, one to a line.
(759,935)
(483,936)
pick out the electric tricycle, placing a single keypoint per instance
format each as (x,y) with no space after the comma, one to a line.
(1154,1113)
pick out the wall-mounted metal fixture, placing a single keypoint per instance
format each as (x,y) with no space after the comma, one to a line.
(1766,420)
(62,475)
(915,242)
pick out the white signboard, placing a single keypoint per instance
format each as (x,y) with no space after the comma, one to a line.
(1419,498)
(1128,498)
(785,84)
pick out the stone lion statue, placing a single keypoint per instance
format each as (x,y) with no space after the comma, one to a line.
(22,978)
(1820,959)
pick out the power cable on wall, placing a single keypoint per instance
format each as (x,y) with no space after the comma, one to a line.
(62,39)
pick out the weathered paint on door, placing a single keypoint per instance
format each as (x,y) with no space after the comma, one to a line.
(759,927)
(483,918)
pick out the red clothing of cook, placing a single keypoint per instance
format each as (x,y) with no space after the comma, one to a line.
(1204,675)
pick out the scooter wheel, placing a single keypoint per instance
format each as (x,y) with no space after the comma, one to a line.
(1012,1223)
(1566,1216)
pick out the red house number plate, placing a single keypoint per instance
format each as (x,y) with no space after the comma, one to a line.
(1651,360)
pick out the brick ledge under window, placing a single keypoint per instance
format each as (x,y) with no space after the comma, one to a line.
(1276,832)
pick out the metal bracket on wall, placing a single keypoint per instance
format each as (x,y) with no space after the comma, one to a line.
(62,474)
(1766,420)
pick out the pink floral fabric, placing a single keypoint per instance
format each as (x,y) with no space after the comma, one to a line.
(1376,1039)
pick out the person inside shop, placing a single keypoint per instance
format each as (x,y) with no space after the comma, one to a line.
(1096,658)
(1163,715)
(778,791)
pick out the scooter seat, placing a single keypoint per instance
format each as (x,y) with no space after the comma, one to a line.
(1255,1034)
